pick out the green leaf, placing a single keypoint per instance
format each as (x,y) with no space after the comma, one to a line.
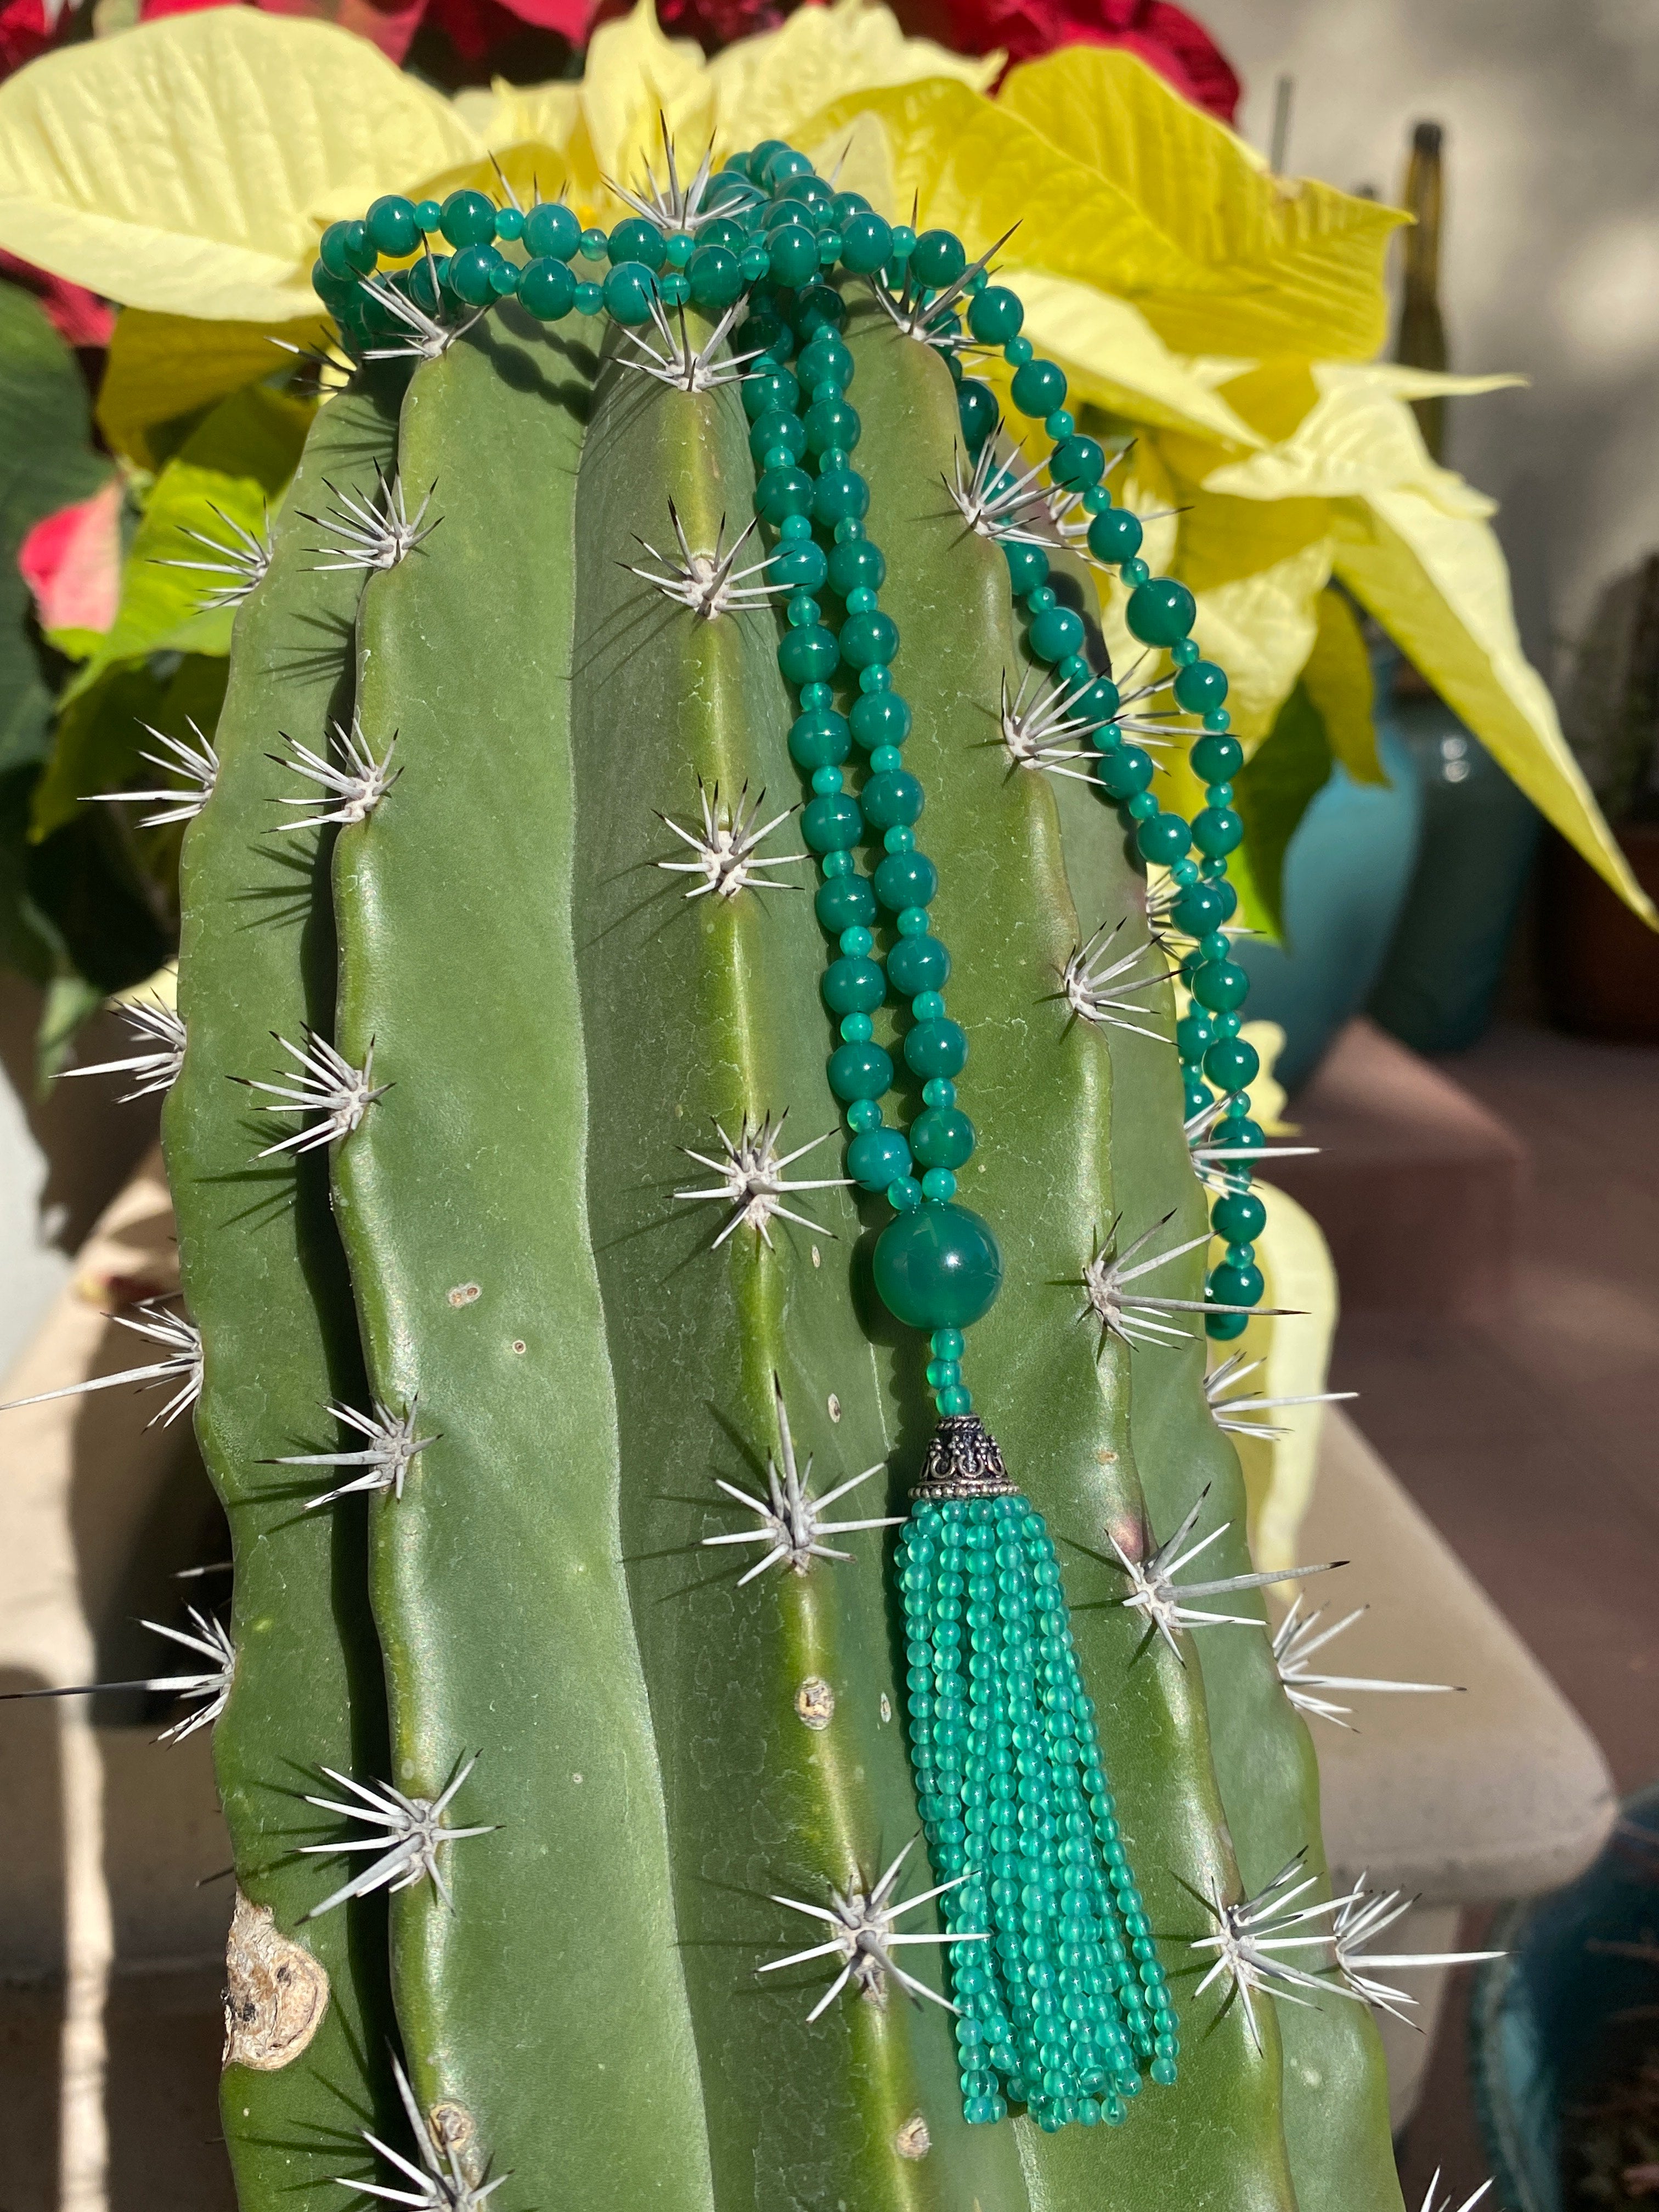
(162,369)
(1338,680)
(230,469)
(1273,792)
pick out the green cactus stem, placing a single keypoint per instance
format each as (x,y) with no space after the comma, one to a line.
(722,695)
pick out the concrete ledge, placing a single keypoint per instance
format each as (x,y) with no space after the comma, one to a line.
(1500,1792)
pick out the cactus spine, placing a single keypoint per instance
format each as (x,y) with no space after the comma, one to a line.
(628,1777)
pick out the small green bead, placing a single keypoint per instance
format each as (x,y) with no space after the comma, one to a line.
(1018,352)
(590,298)
(592,245)
(429,215)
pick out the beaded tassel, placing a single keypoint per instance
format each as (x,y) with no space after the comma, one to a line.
(1065,2003)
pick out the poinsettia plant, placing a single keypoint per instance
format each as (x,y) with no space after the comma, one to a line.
(1217,324)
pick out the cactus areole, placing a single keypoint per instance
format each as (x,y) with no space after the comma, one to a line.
(587,1274)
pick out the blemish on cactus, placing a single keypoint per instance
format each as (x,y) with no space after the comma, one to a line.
(815,1702)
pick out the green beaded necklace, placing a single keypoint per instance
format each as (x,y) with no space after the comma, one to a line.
(1060,2000)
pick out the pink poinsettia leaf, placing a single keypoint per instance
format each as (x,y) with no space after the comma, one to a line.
(71,562)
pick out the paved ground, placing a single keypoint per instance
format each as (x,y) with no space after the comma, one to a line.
(1531,1441)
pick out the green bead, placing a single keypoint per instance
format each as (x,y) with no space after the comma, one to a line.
(832,424)
(1124,772)
(819,738)
(938,259)
(393,227)
(859,1071)
(995,315)
(894,796)
(1217,830)
(1077,463)
(877,1157)
(940,1137)
(852,985)
(1220,984)
(832,821)
(678,249)
(470,274)
(547,289)
(1160,611)
(905,880)
(1216,759)
(913,965)
(1027,566)
(1238,1215)
(800,565)
(870,641)
(976,410)
(782,492)
(857,566)
(935,1048)
(1038,387)
(590,298)
(842,495)
(715,275)
(509,224)
(880,717)
(429,215)
(792,253)
(866,241)
(346,250)
(635,240)
(504,279)
(1164,839)
(469,219)
(1116,535)
(775,430)
(843,902)
(1199,686)
(808,655)
(551,230)
(1229,1286)
(825,360)
(938,1266)
(627,292)
(770,388)
(1054,632)
(1232,1064)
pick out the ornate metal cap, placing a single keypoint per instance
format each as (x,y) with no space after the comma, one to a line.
(963,1461)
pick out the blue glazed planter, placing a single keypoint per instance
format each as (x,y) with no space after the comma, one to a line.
(1538,2027)
(1439,980)
(1347,872)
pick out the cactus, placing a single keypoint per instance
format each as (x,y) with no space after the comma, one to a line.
(588,1749)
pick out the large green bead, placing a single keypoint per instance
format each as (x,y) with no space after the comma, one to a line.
(1161,611)
(469,219)
(635,240)
(547,289)
(866,241)
(391,225)
(938,1267)
(551,229)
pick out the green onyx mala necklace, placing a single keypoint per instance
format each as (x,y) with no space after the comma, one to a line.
(1062,2004)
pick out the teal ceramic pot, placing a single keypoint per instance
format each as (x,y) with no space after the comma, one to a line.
(1546,2029)
(1439,981)
(1347,870)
